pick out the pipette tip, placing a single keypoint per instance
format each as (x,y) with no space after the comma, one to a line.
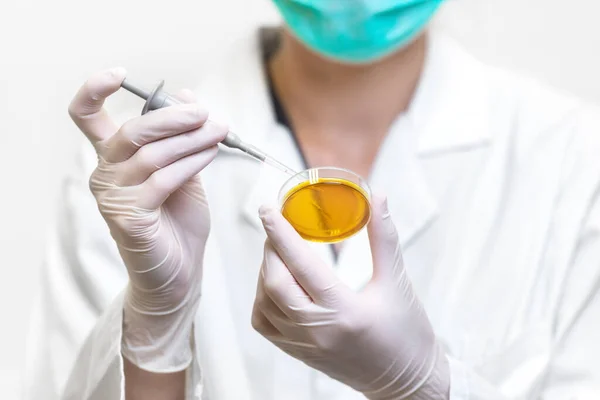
(274,163)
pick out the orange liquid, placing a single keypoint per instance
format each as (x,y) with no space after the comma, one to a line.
(327,211)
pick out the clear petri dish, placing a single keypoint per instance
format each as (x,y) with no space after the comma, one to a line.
(326,204)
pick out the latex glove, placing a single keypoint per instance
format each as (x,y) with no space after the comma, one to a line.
(378,341)
(148,191)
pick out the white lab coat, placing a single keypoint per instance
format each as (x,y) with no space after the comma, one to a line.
(493,182)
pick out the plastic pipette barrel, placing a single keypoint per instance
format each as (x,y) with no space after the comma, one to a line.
(158,98)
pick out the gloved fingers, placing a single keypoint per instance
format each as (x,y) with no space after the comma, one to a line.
(385,245)
(298,349)
(159,154)
(276,317)
(157,188)
(294,347)
(262,325)
(86,107)
(260,322)
(281,286)
(314,276)
(192,189)
(156,125)
(190,194)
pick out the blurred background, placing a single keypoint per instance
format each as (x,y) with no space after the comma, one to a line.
(48,48)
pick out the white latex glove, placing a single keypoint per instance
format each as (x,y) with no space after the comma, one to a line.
(378,341)
(148,191)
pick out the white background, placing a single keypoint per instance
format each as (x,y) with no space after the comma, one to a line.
(48,48)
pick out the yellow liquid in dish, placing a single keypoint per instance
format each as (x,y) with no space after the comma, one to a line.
(328,210)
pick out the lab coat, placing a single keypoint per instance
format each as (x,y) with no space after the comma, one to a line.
(493,182)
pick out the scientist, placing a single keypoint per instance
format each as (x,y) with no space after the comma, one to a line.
(477,278)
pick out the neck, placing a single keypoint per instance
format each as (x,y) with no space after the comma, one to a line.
(335,97)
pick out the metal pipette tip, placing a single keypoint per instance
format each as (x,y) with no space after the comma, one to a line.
(158,98)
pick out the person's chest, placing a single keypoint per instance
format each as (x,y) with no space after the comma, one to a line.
(474,228)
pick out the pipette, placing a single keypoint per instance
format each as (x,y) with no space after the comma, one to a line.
(158,98)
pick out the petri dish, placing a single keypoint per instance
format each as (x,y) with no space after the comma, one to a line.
(326,204)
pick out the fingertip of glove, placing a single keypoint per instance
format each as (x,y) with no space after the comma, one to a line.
(266,212)
(379,204)
(118,73)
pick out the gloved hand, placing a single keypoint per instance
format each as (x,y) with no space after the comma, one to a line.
(378,341)
(148,191)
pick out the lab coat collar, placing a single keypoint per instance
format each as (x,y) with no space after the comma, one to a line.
(447,114)
(450,108)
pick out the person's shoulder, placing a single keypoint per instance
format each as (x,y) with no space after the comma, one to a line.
(544,122)
(527,109)
(541,111)
(534,119)
(513,106)
(535,104)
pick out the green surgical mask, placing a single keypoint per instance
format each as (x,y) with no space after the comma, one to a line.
(356,31)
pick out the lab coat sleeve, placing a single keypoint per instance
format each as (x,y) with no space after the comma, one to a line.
(75,333)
